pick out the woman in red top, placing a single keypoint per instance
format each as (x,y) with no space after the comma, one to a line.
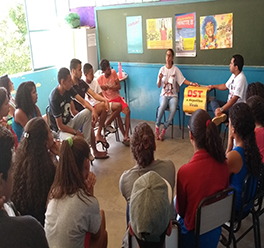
(206,174)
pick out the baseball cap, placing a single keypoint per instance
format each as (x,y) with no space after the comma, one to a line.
(150,207)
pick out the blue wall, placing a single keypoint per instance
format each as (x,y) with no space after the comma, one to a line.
(143,93)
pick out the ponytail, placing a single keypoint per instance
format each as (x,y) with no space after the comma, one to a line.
(213,143)
(206,135)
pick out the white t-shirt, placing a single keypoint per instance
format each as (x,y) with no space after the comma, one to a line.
(68,220)
(237,86)
(94,85)
(171,81)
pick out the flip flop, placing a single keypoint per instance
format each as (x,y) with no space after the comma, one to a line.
(104,157)
(105,144)
(126,142)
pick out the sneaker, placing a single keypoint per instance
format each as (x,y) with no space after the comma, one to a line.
(219,119)
(110,129)
(157,133)
(161,137)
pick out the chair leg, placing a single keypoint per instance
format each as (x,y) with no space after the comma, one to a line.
(179,117)
(172,130)
(117,131)
(183,117)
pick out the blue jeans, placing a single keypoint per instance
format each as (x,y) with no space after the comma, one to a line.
(217,104)
(172,103)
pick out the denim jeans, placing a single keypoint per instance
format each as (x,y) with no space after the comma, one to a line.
(172,103)
(217,104)
(82,120)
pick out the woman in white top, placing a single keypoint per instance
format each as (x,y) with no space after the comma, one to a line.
(170,79)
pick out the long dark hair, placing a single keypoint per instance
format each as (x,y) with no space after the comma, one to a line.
(4,82)
(3,96)
(143,144)
(33,169)
(206,135)
(256,103)
(242,120)
(69,178)
(23,98)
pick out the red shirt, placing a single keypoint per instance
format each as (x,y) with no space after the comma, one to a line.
(201,177)
(259,132)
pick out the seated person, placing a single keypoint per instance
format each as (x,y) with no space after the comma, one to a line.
(255,89)
(114,107)
(206,174)
(170,79)
(142,147)
(34,169)
(26,108)
(256,103)
(245,157)
(82,88)
(60,112)
(15,232)
(4,110)
(237,86)
(9,86)
(150,217)
(110,85)
(73,212)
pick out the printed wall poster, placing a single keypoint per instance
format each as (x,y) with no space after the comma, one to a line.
(159,33)
(216,31)
(185,38)
(134,34)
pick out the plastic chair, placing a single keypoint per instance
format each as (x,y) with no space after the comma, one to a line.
(164,117)
(214,211)
(172,241)
(248,198)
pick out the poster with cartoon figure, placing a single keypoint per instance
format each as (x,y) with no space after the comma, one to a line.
(159,33)
(185,35)
(216,31)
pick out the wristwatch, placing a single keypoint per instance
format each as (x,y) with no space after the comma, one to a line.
(75,132)
(222,109)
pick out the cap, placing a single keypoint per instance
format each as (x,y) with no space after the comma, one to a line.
(150,206)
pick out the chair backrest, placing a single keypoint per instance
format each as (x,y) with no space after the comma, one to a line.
(213,211)
(48,115)
(171,241)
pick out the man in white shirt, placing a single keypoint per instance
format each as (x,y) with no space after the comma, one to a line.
(237,86)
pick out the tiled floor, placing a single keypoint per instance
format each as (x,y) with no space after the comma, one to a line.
(109,171)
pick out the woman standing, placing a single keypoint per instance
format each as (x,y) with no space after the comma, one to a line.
(26,108)
(170,79)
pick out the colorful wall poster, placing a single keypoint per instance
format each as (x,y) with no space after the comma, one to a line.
(159,33)
(134,34)
(216,31)
(185,38)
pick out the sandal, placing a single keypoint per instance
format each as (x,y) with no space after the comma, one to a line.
(126,142)
(104,143)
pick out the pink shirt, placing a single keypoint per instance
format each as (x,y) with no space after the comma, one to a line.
(260,140)
(102,80)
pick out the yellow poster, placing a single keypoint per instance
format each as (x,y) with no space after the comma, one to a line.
(159,33)
(216,31)
(194,98)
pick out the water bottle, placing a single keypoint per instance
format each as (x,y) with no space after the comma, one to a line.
(120,75)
